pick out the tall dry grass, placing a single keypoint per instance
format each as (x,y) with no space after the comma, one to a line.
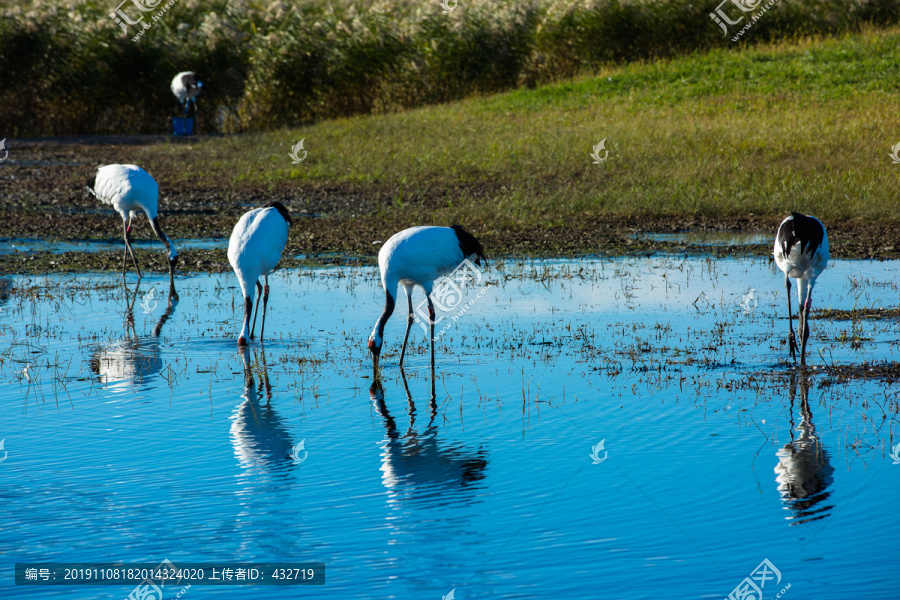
(67,68)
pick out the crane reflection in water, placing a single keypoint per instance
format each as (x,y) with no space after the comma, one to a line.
(258,434)
(804,473)
(268,483)
(416,466)
(133,359)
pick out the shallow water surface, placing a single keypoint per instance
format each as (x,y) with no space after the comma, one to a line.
(710,238)
(136,431)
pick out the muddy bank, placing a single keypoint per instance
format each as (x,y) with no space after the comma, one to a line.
(42,197)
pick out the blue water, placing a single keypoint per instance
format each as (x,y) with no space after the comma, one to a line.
(710,238)
(165,442)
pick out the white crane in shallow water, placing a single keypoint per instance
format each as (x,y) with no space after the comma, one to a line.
(254,250)
(801,252)
(129,189)
(417,257)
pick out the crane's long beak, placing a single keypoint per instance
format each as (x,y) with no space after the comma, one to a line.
(374,367)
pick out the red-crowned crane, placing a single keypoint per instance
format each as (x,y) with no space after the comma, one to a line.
(254,251)
(129,189)
(186,85)
(801,252)
(418,256)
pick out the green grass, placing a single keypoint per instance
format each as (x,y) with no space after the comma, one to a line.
(794,126)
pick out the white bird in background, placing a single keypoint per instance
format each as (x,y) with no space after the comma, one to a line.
(418,256)
(254,250)
(801,252)
(129,188)
(186,85)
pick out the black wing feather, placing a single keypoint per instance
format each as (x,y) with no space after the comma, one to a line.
(281,210)
(467,242)
(806,231)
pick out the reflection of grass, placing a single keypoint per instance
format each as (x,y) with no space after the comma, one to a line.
(887,370)
(758,132)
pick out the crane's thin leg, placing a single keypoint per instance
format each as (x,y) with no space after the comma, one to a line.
(409,321)
(126,226)
(262,326)
(431,318)
(129,250)
(256,310)
(792,340)
(804,334)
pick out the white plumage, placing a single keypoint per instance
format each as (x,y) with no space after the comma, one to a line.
(129,189)
(186,86)
(254,251)
(417,257)
(801,252)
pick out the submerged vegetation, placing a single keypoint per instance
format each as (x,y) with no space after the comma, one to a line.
(68,68)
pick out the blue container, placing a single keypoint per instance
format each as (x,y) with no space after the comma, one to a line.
(182,126)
